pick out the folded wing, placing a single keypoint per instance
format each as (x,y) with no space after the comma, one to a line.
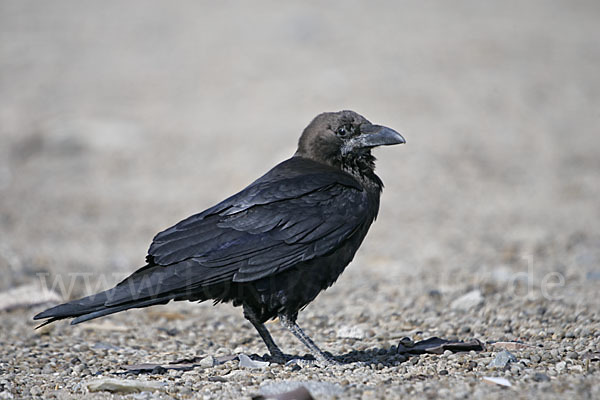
(298,211)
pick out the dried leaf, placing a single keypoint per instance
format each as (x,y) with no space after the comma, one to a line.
(436,345)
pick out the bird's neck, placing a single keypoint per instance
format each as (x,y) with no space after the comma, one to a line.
(362,167)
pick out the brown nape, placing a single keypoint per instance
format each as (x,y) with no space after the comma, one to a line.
(319,141)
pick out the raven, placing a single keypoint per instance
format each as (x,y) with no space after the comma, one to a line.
(271,248)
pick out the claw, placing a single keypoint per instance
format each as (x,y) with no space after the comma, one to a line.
(320,362)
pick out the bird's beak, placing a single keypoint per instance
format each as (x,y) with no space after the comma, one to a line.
(377,135)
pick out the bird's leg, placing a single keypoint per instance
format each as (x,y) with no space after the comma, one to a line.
(321,357)
(276,353)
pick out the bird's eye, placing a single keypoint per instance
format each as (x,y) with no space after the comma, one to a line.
(342,131)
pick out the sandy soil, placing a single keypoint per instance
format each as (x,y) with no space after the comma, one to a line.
(119,119)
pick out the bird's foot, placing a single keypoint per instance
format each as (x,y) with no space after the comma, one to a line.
(323,360)
(327,360)
(302,362)
(278,357)
(309,360)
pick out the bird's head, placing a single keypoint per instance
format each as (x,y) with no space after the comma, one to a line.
(344,139)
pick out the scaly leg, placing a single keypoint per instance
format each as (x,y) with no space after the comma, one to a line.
(321,357)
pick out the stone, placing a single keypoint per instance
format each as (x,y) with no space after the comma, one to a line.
(125,386)
(467,301)
(350,332)
(502,360)
(247,362)
(540,377)
(207,362)
(497,381)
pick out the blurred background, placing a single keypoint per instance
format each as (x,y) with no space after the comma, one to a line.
(118,119)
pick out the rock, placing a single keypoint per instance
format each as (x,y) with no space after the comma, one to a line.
(207,362)
(467,301)
(125,386)
(502,360)
(247,362)
(351,332)
(497,381)
(81,347)
(540,377)
(561,366)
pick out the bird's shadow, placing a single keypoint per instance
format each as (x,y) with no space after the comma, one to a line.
(363,357)
(296,362)
(393,356)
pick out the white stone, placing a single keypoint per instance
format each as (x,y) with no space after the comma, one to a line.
(125,385)
(207,362)
(350,332)
(247,362)
(497,381)
(467,301)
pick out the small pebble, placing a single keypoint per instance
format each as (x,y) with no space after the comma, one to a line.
(535,358)
(539,377)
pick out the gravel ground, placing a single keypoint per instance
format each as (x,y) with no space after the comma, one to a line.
(118,119)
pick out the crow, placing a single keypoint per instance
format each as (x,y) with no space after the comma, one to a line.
(271,248)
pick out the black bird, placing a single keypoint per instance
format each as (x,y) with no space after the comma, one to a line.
(271,248)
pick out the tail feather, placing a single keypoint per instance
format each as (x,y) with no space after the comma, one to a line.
(74,308)
(145,287)
(112,310)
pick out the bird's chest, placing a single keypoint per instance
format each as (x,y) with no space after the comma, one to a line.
(293,289)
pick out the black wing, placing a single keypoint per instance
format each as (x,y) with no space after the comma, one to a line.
(297,211)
